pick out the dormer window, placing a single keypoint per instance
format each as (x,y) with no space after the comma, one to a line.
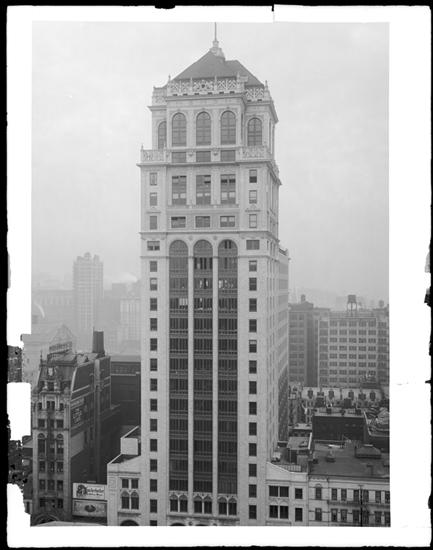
(254,132)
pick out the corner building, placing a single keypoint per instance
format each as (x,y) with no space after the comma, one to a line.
(214,299)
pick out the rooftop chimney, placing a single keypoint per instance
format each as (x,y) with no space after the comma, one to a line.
(98,343)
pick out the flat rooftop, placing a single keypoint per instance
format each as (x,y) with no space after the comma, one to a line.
(337,413)
(298,443)
(372,464)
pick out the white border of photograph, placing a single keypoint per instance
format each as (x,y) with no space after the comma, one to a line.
(409,238)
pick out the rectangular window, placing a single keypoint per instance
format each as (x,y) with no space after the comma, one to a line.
(378,496)
(252,387)
(154,344)
(178,222)
(284,512)
(355,516)
(273,490)
(252,491)
(203,189)
(298,493)
(273,511)
(253,305)
(253,176)
(387,497)
(125,483)
(252,470)
(42,484)
(202,156)
(253,325)
(125,502)
(153,364)
(153,199)
(253,407)
(202,221)
(387,516)
(318,514)
(153,178)
(153,384)
(60,485)
(252,511)
(253,244)
(153,304)
(178,156)
(318,493)
(252,366)
(252,428)
(178,189)
(153,485)
(153,425)
(153,465)
(252,346)
(153,506)
(173,505)
(222,508)
(356,495)
(252,449)
(228,155)
(252,196)
(153,245)
(153,404)
(334,494)
(378,518)
(153,323)
(153,222)
(154,445)
(253,283)
(227,221)
(343,495)
(252,265)
(207,507)
(134,483)
(298,514)
(343,516)
(228,189)
(284,492)
(252,221)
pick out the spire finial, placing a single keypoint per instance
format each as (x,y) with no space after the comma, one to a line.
(216,50)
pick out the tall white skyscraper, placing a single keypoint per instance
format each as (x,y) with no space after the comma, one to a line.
(87,297)
(214,303)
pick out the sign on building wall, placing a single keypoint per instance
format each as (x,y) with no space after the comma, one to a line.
(89,508)
(91,491)
(77,412)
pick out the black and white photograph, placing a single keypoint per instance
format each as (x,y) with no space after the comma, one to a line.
(216,331)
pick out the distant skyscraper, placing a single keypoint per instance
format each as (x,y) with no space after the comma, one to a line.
(87,295)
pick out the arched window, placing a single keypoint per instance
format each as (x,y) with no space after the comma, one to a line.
(254,132)
(162,135)
(203,129)
(228,128)
(178,130)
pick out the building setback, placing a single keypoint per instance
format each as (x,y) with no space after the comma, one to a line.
(214,304)
(75,429)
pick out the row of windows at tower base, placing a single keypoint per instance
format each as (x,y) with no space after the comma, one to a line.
(202,222)
(203,130)
(200,345)
(251,244)
(203,506)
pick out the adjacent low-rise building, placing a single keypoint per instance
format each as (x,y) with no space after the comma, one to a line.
(74,428)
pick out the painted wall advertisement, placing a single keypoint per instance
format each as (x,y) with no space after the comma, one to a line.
(77,411)
(89,508)
(91,491)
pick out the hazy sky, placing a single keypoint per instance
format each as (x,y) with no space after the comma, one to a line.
(92,83)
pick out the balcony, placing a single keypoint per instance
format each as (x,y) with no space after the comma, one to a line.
(217,155)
